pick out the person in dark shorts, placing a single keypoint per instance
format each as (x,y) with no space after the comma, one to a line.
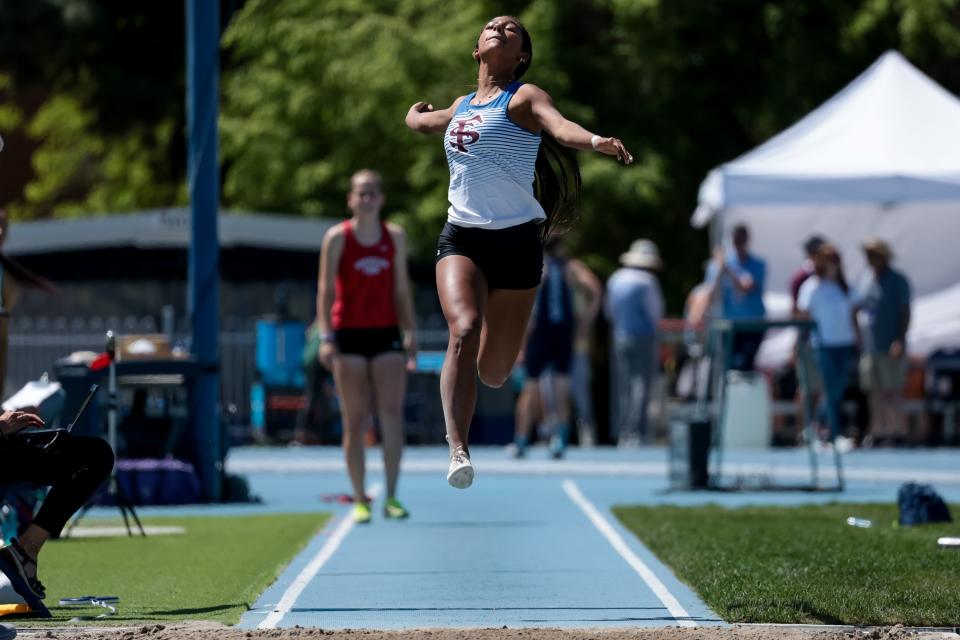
(505,197)
(550,344)
(366,318)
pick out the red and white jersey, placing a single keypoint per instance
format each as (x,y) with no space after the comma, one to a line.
(365,283)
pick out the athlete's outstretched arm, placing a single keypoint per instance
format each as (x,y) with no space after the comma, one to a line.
(568,133)
(423,119)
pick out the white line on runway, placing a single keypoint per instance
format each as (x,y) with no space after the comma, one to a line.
(526,467)
(310,571)
(620,546)
(597,468)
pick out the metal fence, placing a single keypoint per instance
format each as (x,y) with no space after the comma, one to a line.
(37,343)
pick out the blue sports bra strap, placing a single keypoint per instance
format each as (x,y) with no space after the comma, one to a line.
(465,103)
(509,92)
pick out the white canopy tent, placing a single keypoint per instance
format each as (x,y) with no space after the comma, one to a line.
(881,158)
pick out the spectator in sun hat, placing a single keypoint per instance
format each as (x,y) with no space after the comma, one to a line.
(634,307)
(882,305)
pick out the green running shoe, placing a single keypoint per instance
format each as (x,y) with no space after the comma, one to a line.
(361,513)
(393,509)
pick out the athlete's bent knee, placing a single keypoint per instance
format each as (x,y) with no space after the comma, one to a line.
(493,377)
(465,332)
(94,454)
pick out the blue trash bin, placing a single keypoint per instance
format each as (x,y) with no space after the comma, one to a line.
(279,353)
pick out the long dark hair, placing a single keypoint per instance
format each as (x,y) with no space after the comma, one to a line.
(826,254)
(557,183)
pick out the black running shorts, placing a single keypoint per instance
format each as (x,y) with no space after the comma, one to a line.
(551,349)
(510,258)
(368,343)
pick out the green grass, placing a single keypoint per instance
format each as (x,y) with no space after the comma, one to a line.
(215,571)
(805,564)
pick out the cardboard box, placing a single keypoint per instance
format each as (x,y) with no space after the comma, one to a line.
(148,346)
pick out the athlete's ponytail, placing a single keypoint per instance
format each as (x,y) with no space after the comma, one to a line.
(556,185)
(557,182)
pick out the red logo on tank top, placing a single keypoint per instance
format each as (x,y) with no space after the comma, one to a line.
(464,135)
(371,265)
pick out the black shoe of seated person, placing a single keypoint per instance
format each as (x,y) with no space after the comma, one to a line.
(16,557)
(7,632)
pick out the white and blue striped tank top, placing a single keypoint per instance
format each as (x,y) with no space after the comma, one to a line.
(491,161)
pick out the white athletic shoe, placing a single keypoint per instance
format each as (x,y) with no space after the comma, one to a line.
(460,475)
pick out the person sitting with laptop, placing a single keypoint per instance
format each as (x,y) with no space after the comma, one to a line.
(72,466)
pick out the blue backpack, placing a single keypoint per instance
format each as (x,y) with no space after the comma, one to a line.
(920,504)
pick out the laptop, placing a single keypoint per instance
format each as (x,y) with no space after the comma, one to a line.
(28,434)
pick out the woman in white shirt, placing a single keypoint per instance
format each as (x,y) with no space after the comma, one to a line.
(824,298)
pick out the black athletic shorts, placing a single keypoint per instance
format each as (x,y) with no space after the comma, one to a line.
(551,349)
(368,343)
(510,258)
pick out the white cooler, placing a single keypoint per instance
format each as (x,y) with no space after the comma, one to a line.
(747,414)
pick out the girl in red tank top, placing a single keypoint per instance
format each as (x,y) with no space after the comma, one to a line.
(363,304)
(365,281)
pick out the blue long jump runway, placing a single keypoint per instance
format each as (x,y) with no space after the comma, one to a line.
(513,550)
(532,543)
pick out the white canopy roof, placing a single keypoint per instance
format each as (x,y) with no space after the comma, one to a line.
(165,229)
(881,158)
(891,136)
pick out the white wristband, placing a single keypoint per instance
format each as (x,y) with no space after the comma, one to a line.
(595,142)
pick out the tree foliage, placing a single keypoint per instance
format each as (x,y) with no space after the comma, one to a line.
(319,90)
(313,90)
(108,132)
(80,170)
